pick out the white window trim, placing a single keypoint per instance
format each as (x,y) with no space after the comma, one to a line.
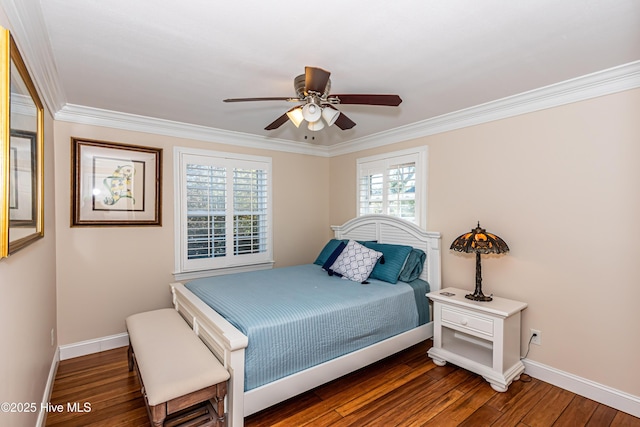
(180,273)
(421,155)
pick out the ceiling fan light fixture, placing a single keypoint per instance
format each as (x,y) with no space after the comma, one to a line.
(316,126)
(296,116)
(312,112)
(330,115)
(317,104)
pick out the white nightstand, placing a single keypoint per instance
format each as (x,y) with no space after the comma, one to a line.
(483,337)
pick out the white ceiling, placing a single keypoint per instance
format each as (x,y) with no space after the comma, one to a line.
(177,60)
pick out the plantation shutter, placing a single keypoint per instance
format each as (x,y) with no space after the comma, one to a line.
(401,190)
(225,212)
(206,211)
(372,188)
(393,184)
(249,211)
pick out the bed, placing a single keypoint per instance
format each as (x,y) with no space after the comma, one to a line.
(262,387)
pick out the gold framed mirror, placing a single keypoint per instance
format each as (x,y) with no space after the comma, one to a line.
(21,152)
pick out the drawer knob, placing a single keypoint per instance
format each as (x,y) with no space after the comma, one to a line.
(464,321)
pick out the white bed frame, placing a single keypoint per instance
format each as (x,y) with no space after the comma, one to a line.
(228,343)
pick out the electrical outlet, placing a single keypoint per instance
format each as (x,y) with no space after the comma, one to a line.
(535,336)
(53,336)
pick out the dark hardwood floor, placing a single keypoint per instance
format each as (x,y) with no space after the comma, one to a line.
(404,390)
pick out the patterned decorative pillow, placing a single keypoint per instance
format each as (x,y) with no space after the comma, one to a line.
(356,262)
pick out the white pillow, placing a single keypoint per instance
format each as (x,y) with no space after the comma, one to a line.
(356,262)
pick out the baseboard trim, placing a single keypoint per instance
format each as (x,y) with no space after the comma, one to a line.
(617,399)
(97,345)
(46,396)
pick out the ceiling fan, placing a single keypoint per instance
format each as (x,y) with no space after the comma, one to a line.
(317,104)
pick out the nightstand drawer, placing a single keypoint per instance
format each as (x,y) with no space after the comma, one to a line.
(466,321)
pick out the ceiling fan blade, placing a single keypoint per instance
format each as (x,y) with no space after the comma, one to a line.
(281,98)
(316,79)
(364,99)
(277,122)
(344,122)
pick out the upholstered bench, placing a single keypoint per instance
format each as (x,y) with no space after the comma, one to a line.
(176,369)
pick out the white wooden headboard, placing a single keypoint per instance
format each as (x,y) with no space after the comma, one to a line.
(388,229)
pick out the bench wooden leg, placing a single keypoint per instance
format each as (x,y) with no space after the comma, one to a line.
(218,403)
(130,357)
(157,414)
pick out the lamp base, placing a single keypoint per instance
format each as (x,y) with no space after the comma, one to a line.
(478,296)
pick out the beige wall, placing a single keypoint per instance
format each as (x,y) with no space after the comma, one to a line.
(28,307)
(106,274)
(28,311)
(561,186)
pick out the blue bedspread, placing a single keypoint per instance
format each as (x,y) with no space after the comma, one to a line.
(297,317)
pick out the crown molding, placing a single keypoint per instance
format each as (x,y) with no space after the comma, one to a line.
(36,50)
(606,82)
(113,119)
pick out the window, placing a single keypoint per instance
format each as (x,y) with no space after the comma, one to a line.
(223,218)
(394,184)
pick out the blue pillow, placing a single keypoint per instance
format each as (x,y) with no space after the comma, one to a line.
(394,258)
(332,258)
(413,267)
(328,250)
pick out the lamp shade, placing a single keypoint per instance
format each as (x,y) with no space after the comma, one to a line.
(295,115)
(478,241)
(330,115)
(315,126)
(311,112)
